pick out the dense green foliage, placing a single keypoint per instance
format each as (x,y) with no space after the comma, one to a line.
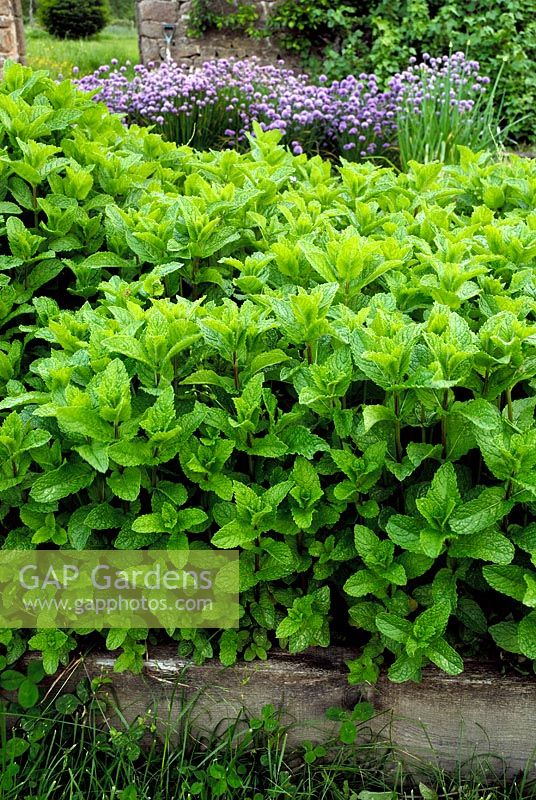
(331,370)
(223,15)
(68,20)
(380,36)
(123,9)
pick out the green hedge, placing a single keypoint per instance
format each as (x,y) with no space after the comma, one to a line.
(81,20)
(329,369)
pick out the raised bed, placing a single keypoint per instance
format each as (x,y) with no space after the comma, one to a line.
(481,715)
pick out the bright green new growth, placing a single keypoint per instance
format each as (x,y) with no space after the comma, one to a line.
(331,370)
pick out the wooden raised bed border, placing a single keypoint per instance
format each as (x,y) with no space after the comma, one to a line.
(481,716)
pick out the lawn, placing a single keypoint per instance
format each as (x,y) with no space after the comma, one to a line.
(60,56)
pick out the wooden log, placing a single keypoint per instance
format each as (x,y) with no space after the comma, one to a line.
(481,717)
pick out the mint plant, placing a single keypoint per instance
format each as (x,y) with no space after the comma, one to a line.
(331,370)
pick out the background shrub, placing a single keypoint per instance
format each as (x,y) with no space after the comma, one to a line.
(79,20)
(121,10)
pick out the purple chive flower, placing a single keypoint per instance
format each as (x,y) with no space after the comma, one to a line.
(222,99)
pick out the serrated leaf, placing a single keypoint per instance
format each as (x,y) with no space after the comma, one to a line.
(228,647)
(61,482)
(363,582)
(529,598)
(505,636)
(508,580)
(104,517)
(442,497)
(103,260)
(526,633)
(127,346)
(234,534)
(416,453)
(393,627)
(85,422)
(210,378)
(149,523)
(115,638)
(432,622)
(471,615)
(270,446)
(300,441)
(77,530)
(445,657)
(96,454)
(126,484)
(405,668)
(488,545)
(432,542)
(130,454)
(489,507)
(280,561)
(406,532)
(374,414)
(479,412)
(190,518)
(265,360)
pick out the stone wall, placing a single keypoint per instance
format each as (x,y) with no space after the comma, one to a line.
(11,31)
(152,14)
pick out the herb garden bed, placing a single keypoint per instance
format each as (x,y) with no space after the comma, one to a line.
(331,369)
(481,719)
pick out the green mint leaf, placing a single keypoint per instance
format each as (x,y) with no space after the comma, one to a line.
(505,636)
(96,455)
(432,622)
(395,628)
(442,497)
(61,482)
(526,633)
(364,582)
(445,657)
(300,441)
(126,484)
(489,507)
(508,580)
(228,647)
(405,668)
(85,422)
(487,545)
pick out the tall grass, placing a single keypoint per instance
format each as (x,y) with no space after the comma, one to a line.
(117,41)
(86,750)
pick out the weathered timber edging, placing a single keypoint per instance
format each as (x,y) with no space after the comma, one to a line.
(480,715)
